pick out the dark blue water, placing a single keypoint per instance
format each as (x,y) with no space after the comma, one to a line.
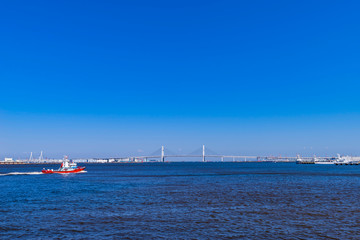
(182,201)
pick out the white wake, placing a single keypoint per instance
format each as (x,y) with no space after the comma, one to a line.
(20,173)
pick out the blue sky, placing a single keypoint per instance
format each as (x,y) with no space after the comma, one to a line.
(91,78)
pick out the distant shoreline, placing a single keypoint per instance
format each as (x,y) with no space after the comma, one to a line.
(55,163)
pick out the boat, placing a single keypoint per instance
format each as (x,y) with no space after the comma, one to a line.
(347,160)
(66,167)
(324,162)
(300,160)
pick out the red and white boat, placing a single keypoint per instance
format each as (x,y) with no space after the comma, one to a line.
(66,167)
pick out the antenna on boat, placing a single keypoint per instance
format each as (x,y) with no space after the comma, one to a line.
(30,159)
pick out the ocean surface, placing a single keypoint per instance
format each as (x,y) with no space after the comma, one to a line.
(181,201)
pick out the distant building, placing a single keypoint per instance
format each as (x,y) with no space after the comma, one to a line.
(8,160)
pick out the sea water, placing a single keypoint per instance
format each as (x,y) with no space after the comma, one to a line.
(181,201)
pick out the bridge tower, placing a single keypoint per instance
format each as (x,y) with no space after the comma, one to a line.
(41,156)
(162,154)
(203,153)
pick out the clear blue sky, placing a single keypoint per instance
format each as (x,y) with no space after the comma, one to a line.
(100,78)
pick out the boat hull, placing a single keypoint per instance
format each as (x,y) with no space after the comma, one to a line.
(76,170)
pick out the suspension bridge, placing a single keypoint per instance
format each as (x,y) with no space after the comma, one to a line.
(163,154)
(202,154)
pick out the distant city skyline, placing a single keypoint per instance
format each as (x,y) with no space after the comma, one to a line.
(99,79)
